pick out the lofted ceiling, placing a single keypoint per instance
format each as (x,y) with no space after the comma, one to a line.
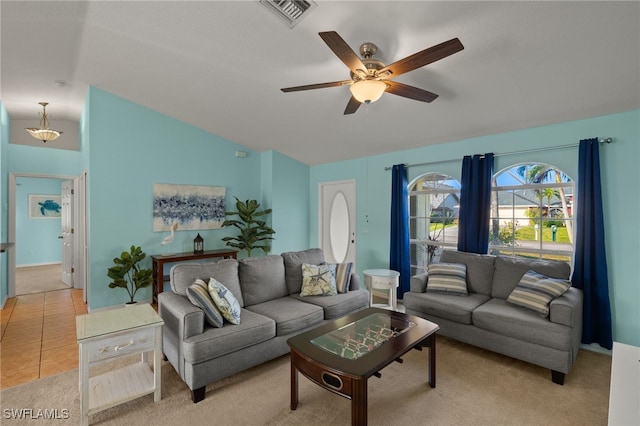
(220,65)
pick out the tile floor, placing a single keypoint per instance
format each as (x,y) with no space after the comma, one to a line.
(38,335)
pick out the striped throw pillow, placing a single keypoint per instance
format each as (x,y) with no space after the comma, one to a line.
(448,278)
(535,291)
(198,294)
(343,276)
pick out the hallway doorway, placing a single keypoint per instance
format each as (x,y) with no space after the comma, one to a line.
(38,279)
(78,233)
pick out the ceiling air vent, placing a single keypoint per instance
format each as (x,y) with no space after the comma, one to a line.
(290,11)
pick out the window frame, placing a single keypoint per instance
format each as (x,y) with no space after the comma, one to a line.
(433,246)
(543,249)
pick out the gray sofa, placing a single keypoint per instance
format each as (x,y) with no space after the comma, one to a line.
(272,310)
(485,319)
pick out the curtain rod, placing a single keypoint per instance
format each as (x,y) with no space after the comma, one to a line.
(525,151)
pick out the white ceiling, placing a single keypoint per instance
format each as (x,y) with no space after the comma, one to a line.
(220,66)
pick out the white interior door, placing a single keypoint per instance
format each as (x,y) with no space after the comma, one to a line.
(66,214)
(337,216)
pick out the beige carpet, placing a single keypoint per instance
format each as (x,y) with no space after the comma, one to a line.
(474,387)
(37,279)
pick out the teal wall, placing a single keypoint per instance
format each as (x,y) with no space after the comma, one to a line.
(126,148)
(43,160)
(5,130)
(620,180)
(38,241)
(131,148)
(285,184)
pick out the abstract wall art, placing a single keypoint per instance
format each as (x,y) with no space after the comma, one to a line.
(45,206)
(190,206)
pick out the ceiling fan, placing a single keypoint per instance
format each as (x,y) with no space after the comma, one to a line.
(370,77)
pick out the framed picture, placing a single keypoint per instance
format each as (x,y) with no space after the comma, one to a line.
(44,206)
(190,206)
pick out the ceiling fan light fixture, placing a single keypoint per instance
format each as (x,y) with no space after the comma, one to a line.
(44,133)
(366,91)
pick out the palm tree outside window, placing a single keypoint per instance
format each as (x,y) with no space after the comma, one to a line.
(532,212)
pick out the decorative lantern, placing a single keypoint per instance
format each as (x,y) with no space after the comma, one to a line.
(198,244)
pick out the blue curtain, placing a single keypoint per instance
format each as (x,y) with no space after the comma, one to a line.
(475,203)
(590,269)
(399,254)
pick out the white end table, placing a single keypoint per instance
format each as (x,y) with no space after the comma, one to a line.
(107,335)
(382,279)
(624,393)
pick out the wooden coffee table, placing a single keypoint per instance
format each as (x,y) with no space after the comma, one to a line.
(341,355)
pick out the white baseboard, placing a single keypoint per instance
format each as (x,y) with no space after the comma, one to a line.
(594,347)
(38,264)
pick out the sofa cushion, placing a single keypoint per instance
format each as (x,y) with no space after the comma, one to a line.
(215,342)
(479,269)
(293,266)
(343,275)
(448,278)
(290,315)
(447,306)
(505,319)
(535,291)
(509,271)
(226,271)
(262,279)
(226,303)
(339,305)
(198,294)
(318,280)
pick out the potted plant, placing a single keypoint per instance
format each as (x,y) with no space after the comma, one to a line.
(254,232)
(127,274)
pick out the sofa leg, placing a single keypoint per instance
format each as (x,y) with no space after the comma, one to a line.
(557,377)
(197,395)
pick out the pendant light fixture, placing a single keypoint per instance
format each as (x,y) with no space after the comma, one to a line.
(44,133)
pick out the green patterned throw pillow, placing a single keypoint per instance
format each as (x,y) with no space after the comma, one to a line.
(535,291)
(225,301)
(318,280)
(448,278)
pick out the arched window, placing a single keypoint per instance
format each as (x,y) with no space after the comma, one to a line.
(434,201)
(532,212)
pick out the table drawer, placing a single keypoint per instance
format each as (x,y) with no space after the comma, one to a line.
(331,380)
(130,342)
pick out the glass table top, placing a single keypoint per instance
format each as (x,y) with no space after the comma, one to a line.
(362,336)
(100,323)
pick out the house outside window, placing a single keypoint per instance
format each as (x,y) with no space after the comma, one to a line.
(434,202)
(532,213)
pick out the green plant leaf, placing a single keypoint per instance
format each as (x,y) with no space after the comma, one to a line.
(251,231)
(127,273)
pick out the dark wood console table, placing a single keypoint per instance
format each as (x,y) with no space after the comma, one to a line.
(158,261)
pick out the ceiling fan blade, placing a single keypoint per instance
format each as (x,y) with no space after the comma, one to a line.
(342,50)
(424,57)
(317,86)
(352,106)
(410,92)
